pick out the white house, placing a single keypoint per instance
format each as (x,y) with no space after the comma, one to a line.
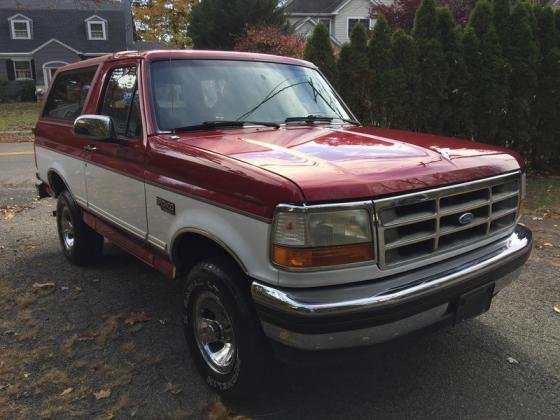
(339,16)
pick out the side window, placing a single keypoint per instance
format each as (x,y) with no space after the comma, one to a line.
(68,94)
(121,103)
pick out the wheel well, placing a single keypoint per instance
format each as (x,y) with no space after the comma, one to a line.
(56,183)
(191,248)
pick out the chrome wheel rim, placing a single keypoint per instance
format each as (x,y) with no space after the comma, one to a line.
(214,333)
(67,228)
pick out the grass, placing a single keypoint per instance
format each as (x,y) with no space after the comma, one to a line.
(18,116)
(543,194)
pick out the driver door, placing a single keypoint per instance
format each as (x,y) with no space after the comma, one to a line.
(115,169)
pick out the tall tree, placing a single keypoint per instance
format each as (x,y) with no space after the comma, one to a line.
(557,25)
(546,108)
(454,109)
(353,73)
(471,56)
(481,18)
(380,63)
(402,97)
(521,53)
(501,10)
(319,51)
(487,69)
(432,69)
(164,21)
(400,13)
(216,24)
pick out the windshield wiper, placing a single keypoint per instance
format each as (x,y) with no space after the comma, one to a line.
(209,125)
(310,119)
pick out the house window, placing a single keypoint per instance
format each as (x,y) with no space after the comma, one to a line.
(21,29)
(22,70)
(354,21)
(327,23)
(97,30)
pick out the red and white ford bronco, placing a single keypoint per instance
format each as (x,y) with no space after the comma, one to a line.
(247,177)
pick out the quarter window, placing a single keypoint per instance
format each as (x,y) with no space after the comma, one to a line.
(23,70)
(121,102)
(354,21)
(68,94)
(21,29)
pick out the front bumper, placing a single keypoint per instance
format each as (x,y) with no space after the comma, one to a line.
(386,309)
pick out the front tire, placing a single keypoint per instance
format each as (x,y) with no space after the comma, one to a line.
(81,245)
(222,329)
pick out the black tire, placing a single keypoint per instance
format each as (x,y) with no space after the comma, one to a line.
(81,245)
(220,278)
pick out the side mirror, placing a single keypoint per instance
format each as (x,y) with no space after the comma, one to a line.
(94,127)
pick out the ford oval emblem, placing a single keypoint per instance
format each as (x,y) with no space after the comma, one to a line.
(466,218)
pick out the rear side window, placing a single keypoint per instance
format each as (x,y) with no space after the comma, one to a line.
(68,94)
(120,102)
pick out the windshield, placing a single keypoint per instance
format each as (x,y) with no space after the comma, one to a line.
(190,92)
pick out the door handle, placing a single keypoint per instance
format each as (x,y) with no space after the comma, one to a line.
(90,148)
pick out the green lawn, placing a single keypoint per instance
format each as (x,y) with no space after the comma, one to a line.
(18,116)
(543,193)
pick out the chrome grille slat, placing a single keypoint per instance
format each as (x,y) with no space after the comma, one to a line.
(467,207)
(420,225)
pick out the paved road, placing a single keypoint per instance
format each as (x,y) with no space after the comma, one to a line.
(17,172)
(74,335)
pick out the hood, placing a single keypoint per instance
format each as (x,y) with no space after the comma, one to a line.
(340,163)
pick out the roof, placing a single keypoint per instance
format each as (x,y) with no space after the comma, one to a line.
(26,5)
(154,55)
(47,25)
(313,6)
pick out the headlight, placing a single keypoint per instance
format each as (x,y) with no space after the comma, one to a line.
(307,237)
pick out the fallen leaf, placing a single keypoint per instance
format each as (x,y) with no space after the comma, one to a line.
(29,247)
(26,375)
(43,285)
(66,391)
(78,289)
(174,389)
(86,338)
(548,244)
(136,317)
(512,361)
(4,386)
(557,309)
(102,393)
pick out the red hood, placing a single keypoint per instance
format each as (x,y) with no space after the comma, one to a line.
(330,163)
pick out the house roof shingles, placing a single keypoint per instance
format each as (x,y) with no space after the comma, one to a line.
(312,6)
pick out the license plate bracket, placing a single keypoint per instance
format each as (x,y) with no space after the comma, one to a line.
(474,303)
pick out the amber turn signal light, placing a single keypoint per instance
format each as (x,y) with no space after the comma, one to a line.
(321,256)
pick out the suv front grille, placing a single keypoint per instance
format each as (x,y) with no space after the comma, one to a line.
(420,225)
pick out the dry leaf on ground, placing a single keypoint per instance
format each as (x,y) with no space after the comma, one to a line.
(102,393)
(136,317)
(43,285)
(173,388)
(66,391)
(548,244)
(557,309)
(512,361)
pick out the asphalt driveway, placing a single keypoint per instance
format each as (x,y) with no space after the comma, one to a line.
(106,341)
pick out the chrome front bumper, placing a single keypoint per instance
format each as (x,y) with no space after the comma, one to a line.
(385,309)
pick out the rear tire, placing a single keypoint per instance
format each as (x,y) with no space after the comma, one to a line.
(222,329)
(81,245)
